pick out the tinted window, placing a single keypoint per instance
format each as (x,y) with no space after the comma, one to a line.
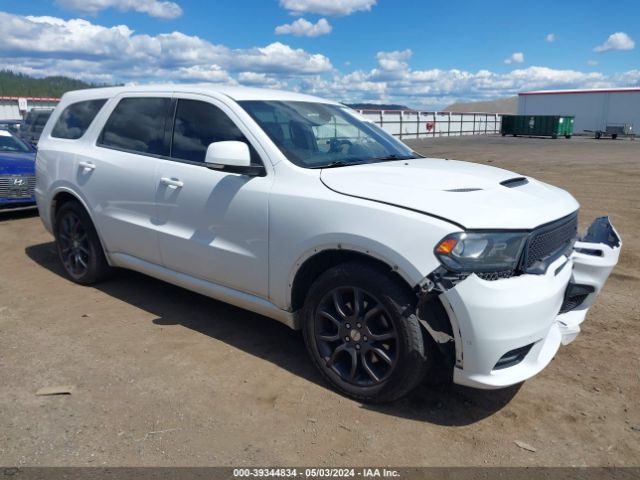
(76,118)
(10,143)
(137,124)
(197,125)
(36,120)
(315,135)
(41,119)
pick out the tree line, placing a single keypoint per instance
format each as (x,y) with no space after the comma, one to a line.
(22,85)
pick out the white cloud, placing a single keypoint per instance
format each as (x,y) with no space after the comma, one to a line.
(435,88)
(395,60)
(261,80)
(81,49)
(304,28)
(278,58)
(616,41)
(592,63)
(154,8)
(517,57)
(327,7)
(213,74)
(92,51)
(551,37)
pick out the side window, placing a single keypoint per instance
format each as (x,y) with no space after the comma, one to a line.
(197,124)
(137,124)
(76,118)
(40,121)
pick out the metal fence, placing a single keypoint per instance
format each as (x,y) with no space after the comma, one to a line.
(407,124)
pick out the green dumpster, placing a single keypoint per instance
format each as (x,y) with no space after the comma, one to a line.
(537,125)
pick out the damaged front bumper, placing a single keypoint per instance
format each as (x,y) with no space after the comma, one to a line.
(507,330)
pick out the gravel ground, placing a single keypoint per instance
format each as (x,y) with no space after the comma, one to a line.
(162,376)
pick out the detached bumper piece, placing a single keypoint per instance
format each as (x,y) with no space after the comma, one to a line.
(594,256)
(508,330)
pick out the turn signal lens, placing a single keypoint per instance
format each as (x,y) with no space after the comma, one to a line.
(446,246)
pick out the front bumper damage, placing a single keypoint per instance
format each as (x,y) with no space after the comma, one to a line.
(507,330)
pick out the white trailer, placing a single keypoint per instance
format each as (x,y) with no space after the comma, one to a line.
(593,110)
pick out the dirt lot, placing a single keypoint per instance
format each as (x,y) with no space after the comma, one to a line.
(163,376)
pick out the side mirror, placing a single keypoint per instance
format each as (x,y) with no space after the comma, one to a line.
(231,153)
(231,156)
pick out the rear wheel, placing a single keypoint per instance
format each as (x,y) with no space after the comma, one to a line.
(78,246)
(362,333)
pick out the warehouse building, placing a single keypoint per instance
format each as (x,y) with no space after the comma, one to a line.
(593,109)
(16,108)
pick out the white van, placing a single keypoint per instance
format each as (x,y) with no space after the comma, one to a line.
(297,208)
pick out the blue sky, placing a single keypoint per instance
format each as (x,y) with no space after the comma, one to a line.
(422,54)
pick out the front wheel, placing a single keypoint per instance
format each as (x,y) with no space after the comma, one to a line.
(362,333)
(78,246)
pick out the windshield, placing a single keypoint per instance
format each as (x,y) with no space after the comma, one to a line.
(318,135)
(9,143)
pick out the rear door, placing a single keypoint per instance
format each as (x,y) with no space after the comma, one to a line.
(117,176)
(212,225)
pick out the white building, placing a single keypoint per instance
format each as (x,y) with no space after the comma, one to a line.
(15,108)
(593,109)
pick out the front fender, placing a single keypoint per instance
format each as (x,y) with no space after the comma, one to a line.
(364,246)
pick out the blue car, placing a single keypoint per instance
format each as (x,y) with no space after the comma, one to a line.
(17,172)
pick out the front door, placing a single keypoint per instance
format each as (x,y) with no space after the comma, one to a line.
(212,225)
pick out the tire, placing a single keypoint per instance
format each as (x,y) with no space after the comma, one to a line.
(614,136)
(78,246)
(384,335)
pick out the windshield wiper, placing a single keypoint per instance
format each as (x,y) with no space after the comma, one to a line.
(392,157)
(388,158)
(338,163)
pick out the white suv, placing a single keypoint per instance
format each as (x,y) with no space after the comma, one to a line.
(299,209)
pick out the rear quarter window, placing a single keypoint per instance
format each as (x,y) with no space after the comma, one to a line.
(137,125)
(76,118)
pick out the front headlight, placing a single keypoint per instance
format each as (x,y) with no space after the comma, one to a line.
(481,252)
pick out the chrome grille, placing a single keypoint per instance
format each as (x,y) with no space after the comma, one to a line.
(17,186)
(550,241)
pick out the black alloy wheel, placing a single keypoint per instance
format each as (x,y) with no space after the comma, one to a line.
(362,333)
(354,336)
(78,245)
(74,245)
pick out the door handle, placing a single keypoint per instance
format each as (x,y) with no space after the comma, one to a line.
(171,182)
(87,166)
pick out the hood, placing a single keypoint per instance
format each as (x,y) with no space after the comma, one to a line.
(17,163)
(471,195)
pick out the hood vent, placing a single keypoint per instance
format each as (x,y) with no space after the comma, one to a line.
(514,182)
(463,190)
